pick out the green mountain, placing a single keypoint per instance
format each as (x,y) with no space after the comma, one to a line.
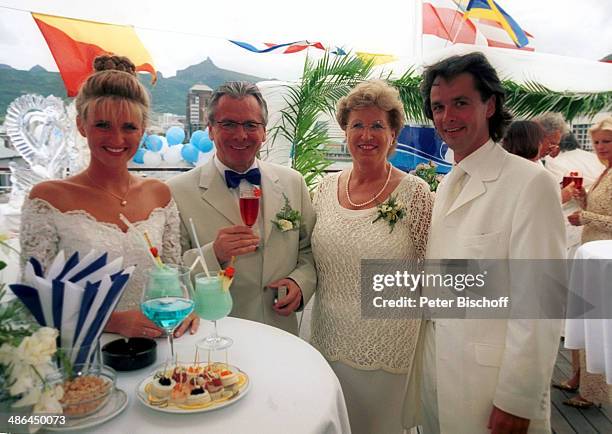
(168,94)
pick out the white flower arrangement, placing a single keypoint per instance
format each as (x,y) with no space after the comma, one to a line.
(28,365)
(287,219)
(391,211)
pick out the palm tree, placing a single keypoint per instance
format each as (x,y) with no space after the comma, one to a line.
(325,81)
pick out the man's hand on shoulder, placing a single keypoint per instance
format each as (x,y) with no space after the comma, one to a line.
(234,241)
(501,422)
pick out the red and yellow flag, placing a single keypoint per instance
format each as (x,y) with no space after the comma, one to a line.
(75,44)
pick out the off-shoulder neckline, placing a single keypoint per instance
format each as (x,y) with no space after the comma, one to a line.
(105,224)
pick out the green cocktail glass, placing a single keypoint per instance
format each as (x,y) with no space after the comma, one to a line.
(212,303)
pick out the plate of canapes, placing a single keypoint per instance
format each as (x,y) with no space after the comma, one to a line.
(194,387)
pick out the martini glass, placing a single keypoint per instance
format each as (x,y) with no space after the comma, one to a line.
(166,298)
(212,303)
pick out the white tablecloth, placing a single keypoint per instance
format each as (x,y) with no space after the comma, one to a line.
(293,388)
(592,280)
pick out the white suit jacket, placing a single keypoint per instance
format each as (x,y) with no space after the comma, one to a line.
(509,208)
(201,194)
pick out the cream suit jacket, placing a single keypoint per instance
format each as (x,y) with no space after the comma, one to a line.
(201,194)
(508,208)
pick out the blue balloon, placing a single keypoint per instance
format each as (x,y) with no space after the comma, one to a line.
(175,135)
(190,153)
(154,143)
(197,136)
(139,156)
(204,144)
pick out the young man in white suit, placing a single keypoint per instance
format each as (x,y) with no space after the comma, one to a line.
(487,375)
(266,256)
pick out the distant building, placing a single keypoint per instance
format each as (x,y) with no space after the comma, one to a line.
(197,99)
(160,122)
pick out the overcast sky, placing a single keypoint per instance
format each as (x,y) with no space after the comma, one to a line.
(179,33)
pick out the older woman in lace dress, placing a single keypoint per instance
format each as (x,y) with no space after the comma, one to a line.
(81,212)
(373,358)
(596,217)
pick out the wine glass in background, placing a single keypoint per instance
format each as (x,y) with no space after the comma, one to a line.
(249,205)
(212,302)
(166,298)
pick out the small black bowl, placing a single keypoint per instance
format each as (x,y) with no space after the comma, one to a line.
(130,354)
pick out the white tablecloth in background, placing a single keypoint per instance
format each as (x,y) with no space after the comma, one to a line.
(592,280)
(293,389)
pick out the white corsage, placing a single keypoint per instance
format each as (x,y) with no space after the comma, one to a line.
(391,211)
(287,219)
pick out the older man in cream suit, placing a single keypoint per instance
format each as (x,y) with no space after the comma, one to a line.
(267,257)
(487,375)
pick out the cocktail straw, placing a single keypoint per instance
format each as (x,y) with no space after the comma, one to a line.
(197,260)
(150,244)
(142,238)
(195,237)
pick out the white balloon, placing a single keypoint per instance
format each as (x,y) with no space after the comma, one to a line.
(203,158)
(173,155)
(152,159)
(165,145)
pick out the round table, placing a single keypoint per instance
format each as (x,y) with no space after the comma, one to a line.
(591,283)
(293,389)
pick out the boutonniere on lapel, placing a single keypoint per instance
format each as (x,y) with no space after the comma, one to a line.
(287,219)
(391,211)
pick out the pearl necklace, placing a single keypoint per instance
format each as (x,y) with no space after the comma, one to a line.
(358,205)
(122,200)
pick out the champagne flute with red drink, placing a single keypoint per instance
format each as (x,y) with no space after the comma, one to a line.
(249,205)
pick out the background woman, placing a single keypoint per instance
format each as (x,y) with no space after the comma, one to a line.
(596,217)
(524,138)
(81,212)
(371,357)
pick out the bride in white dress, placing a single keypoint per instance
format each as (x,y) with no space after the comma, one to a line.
(81,212)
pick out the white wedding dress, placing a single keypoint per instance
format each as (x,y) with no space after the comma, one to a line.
(45,231)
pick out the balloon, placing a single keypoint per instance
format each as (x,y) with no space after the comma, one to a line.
(204,144)
(174,154)
(152,159)
(190,153)
(204,158)
(138,156)
(196,136)
(154,143)
(165,145)
(175,135)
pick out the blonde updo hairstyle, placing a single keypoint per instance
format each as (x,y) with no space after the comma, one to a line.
(373,93)
(114,79)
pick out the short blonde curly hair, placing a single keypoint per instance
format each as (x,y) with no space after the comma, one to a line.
(373,93)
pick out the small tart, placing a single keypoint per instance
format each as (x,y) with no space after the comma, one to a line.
(229,379)
(161,390)
(199,396)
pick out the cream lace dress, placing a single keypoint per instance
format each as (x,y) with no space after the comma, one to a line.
(371,357)
(597,219)
(45,231)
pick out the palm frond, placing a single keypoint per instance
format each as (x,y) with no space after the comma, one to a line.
(531,99)
(323,83)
